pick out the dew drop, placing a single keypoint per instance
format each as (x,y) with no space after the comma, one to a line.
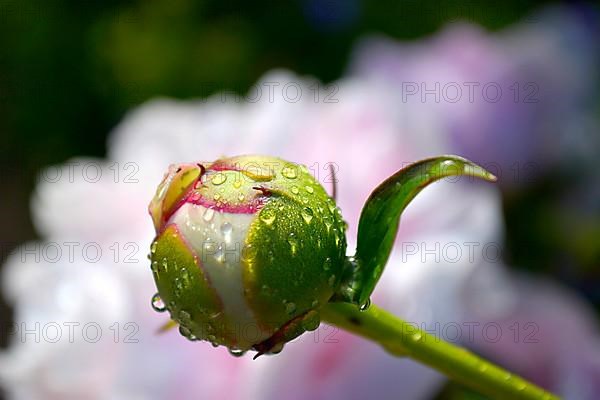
(153,247)
(327,222)
(327,264)
(366,305)
(209,213)
(237,184)
(185,317)
(314,304)
(311,322)
(157,304)
(185,277)
(267,217)
(218,179)
(307,214)
(241,197)
(217,196)
(184,331)
(220,255)
(289,172)
(277,348)
(178,287)
(249,253)
(237,352)
(226,229)
(187,333)
(309,189)
(293,243)
(208,246)
(295,190)
(416,336)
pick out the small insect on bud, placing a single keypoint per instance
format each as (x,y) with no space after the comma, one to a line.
(247,250)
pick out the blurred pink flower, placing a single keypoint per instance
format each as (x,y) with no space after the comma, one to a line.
(357,134)
(358,124)
(518,101)
(548,334)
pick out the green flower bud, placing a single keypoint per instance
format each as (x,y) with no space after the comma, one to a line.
(247,251)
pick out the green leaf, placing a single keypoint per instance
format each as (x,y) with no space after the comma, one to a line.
(380,215)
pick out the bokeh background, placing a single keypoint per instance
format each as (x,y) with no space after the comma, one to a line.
(70,71)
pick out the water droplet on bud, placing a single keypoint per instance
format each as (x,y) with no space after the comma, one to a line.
(267,217)
(293,243)
(185,317)
(237,352)
(187,333)
(219,178)
(157,304)
(226,229)
(209,213)
(307,214)
(327,222)
(220,255)
(311,322)
(277,348)
(309,189)
(366,305)
(289,172)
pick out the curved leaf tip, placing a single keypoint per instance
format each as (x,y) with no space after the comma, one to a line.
(381,213)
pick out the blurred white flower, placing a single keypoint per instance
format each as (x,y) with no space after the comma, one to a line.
(359,126)
(517,102)
(357,134)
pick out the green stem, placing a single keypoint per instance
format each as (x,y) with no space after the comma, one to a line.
(404,339)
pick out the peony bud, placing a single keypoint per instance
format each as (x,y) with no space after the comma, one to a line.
(247,251)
